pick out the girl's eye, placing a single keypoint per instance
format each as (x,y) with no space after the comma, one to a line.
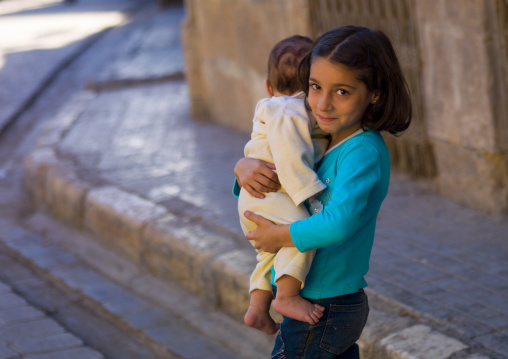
(342,92)
(314,86)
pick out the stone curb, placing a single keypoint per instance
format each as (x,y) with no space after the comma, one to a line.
(108,85)
(205,263)
(208,264)
(99,284)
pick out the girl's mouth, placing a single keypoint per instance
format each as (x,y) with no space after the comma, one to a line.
(326,119)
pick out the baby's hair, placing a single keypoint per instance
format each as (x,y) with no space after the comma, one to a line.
(371,55)
(283,63)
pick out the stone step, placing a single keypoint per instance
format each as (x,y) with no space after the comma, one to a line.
(211,265)
(26,330)
(173,323)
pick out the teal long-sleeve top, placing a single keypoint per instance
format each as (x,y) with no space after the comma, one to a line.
(342,225)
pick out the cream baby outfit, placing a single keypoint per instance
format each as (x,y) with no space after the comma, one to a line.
(286,134)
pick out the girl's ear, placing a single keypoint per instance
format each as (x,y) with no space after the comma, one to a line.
(375,96)
(268,88)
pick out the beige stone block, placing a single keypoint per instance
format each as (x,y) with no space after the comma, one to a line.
(457,73)
(36,165)
(177,248)
(118,217)
(474,178)
(420,341)
(65,195)
(234,269)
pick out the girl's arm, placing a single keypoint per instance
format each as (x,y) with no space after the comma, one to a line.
(288,131)
(358,173)
(357,194)
(256,177)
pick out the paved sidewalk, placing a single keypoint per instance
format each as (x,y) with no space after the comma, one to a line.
(26,332)
(29,61)
(124,162)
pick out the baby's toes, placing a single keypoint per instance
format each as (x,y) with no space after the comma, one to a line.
(318,313)
(319,307)
(312,319)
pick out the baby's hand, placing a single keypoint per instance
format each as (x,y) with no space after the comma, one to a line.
(311,199)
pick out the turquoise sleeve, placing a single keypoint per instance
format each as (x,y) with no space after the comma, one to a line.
(357,172)
(236,189)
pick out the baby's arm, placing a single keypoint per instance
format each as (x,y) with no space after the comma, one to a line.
(289,136)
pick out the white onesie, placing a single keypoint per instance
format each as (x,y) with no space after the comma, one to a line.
(286,134)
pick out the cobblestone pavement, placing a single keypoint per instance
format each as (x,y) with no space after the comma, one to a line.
(26,332)
(133,154)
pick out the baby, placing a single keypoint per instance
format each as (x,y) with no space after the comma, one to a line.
(285,134)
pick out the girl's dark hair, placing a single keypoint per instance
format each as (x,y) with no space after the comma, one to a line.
(283,63)
(371,54)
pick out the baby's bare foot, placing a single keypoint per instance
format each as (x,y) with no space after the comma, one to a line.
(261,320)
(298,308)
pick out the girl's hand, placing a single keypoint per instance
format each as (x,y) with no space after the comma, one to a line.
(256,176)
(268,236)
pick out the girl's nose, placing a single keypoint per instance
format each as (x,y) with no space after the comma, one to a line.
(324,103)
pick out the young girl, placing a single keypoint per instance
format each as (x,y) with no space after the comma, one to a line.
(355,89)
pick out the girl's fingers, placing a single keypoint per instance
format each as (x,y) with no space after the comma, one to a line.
(253,192)
(263,187)
(254,217)
(266,170)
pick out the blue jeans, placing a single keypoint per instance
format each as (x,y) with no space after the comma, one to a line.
(333,337)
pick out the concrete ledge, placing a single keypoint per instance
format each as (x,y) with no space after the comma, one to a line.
(176,248)
(36,165)
(65,195)
(118,217)
(207,264)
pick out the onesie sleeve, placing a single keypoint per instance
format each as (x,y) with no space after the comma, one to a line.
(289,136)
(358,171)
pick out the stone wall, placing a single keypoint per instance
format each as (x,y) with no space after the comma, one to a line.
(460,44)
(454,54)
(226,45)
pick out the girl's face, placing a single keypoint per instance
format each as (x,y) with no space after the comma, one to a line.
(337,98)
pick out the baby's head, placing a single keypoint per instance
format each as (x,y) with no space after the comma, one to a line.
(283,65)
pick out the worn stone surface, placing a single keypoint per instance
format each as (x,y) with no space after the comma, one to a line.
(177,248)
(420,342)
(36,165)
(234,267)
(65,195)
(119,217)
